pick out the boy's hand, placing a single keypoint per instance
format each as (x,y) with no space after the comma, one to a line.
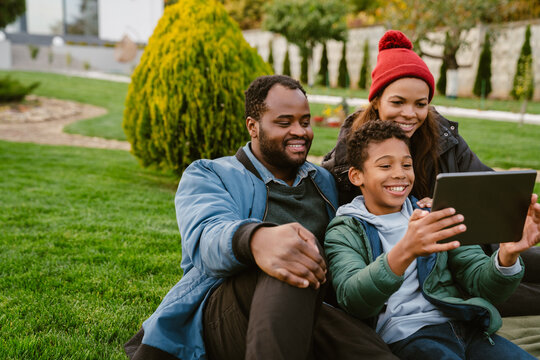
(509,252)
(424,230)
(289,253)
(426,202)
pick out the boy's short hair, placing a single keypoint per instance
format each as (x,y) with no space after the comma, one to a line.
(374,131)
(257,92)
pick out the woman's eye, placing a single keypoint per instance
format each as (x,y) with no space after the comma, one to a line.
(422,105)
(396,102)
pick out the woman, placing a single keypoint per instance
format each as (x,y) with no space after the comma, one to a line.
(402,88)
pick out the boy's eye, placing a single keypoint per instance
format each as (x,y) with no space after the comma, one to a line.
(407,166)
(384,166)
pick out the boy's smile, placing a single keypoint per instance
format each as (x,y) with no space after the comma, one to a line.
(387,176)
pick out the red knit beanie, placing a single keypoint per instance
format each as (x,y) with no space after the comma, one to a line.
(397,60)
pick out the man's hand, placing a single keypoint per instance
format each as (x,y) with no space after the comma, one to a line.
(509,251)
(289,253)
(424,230)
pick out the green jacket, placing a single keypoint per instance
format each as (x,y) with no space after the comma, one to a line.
(462,282)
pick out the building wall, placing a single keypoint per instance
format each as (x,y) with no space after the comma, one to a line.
(505,52)
(135,18)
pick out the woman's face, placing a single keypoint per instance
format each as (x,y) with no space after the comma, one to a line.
(405,101)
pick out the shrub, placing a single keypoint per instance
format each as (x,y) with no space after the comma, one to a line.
(363,82)
(271,54)
(482,83)
(524,78)
(322,77)
(304,68)
(186,97)
(286,64)
(343,74)
(441,82)
(13,91)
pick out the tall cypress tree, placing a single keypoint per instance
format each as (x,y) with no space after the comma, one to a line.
(524,77)
(343,75)
(482,84)
(322,77)
(364,70)
(304,68)
(287,64)
(441,82)
(271,54)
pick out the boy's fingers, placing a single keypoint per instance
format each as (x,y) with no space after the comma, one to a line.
(449,232)
(418,214)
(446,246)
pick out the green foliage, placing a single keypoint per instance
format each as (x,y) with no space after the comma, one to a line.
(524,78)
(34,51)
(307,23)
(343,73)
(441,82)
(322,77)
(186,97)
(304,68)
(271,54)
(9,10)
(12,90)
(482,83)
(247,13)
(364,79)
(287,63)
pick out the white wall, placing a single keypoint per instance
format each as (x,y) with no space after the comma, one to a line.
(135,18)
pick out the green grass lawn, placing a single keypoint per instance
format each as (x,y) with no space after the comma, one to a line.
(89,247)
(107,94)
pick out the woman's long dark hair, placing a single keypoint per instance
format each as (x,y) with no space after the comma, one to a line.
(424,147)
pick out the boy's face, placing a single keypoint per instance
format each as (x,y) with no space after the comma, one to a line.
(387,177)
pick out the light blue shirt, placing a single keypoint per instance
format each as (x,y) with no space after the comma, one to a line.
(303,171)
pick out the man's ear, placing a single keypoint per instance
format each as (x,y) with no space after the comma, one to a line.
(356,176)
(253,127)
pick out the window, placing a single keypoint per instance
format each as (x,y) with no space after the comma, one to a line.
(81,17)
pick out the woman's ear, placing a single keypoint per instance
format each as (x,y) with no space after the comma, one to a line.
(356,176)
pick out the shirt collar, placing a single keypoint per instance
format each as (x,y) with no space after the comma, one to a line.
(304,170)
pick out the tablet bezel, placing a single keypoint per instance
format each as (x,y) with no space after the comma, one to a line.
(504,195)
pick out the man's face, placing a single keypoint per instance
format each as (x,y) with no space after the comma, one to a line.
(282,137)
(387,176)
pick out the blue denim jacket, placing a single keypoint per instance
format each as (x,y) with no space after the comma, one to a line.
(214,198)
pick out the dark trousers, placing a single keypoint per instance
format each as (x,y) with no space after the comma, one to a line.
(255,316)
(526,299)
(456,340)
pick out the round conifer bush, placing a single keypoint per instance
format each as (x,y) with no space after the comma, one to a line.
(186,97)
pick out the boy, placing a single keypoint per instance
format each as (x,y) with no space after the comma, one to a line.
(427,300)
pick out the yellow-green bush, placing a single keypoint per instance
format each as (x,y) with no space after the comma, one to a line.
(186,97)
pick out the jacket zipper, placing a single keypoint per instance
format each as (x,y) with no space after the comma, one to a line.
(322,195)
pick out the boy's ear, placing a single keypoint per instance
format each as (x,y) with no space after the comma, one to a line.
(253,127)
(356,176)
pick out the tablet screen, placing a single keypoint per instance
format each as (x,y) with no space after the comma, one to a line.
(493,203)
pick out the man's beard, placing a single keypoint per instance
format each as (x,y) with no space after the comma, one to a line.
(276,155)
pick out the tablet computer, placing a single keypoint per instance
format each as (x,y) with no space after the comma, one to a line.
(493,203)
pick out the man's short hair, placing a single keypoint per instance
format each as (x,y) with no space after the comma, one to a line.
(258,91)
(374,131)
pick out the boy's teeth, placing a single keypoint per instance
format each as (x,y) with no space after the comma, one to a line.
(396,188)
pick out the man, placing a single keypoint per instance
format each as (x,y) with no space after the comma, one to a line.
(254,273)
